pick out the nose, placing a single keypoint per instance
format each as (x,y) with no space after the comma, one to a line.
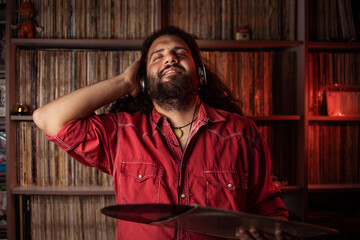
(171,58)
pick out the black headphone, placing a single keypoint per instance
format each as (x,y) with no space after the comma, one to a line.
(201,73)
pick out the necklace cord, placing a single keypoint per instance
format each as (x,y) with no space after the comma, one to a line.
(194,119)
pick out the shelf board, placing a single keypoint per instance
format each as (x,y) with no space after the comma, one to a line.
(290,189)
(130,44)
(247,45)
(334,45)
(92,190)
(255,118)
(276,118)
(66,190)
(334,118)
(21,117)
(333,187)
(136,44)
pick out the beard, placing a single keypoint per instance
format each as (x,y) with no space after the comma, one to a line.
(174,94)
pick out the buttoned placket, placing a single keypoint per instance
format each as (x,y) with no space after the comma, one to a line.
(184,198)
(180,156)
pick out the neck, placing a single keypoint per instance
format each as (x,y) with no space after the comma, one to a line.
(179,117)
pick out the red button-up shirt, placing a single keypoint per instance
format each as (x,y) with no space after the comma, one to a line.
(226,164)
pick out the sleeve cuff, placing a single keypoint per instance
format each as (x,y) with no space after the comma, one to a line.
(70,135)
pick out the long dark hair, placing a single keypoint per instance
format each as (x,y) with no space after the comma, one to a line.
(214,93)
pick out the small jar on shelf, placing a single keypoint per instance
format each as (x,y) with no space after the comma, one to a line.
(242,34)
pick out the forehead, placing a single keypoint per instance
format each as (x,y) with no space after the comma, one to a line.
(167,42)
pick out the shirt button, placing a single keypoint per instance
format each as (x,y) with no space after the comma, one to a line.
(183,195)
(140,176)
(230,185)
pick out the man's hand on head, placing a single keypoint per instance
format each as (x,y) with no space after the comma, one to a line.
(130,77)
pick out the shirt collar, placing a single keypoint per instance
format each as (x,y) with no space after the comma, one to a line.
(156,118)
(206,113)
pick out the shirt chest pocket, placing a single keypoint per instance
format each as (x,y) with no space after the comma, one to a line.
(140,182)
(226,189)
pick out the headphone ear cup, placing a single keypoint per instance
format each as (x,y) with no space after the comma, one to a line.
(202,75)
(142,85)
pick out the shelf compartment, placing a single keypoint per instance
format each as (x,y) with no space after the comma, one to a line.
(63,190)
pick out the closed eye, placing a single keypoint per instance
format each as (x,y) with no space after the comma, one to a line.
(156,57)
(181,52)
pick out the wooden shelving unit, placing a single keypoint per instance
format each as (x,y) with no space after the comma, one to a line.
(295,195)
(294,192)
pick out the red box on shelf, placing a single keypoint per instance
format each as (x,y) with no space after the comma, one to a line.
(343,100)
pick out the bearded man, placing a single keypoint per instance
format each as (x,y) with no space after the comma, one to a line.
(174,135)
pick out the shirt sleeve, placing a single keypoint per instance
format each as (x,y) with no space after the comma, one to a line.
(91,141)
(264,195)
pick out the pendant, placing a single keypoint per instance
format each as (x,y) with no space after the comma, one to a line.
(178,132)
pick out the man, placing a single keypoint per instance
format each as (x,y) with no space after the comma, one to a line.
(177,143)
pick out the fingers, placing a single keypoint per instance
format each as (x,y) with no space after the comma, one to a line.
(256,234)
(279,235)
(130,77)
(252,234)
(243,235)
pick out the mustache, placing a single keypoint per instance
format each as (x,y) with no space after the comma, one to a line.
(175,65)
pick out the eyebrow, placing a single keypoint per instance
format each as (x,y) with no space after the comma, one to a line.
(162,49)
